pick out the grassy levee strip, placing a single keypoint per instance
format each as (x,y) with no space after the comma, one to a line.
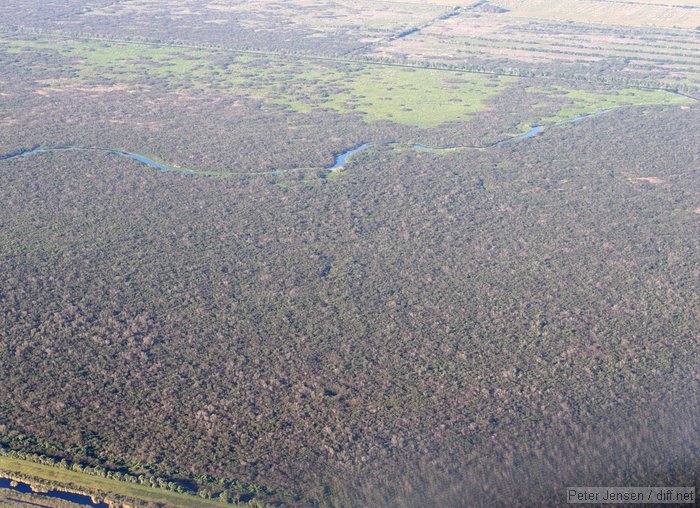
(92,485)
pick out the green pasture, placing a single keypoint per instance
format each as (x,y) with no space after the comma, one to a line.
(412,96)
(421,97)
(576,102)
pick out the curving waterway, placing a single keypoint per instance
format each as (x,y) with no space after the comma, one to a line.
(135,156)
(534,131)
(25,488)
(340,159)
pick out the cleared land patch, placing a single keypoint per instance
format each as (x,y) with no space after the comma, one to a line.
(602,53)
(592,11)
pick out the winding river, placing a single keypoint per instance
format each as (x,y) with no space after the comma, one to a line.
(25,488)
(135,156)
(340,160)
(534,131)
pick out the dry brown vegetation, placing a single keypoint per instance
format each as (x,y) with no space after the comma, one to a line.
(606,12)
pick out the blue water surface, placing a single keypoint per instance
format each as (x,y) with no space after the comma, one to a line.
(342,158)
(24,488)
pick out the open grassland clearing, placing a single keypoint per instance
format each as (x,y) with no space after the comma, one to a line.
(420,97)
(595,11)
(96,485)
(411,96)
(582,102)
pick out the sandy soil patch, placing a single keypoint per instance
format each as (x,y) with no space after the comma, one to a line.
(655,180)
(96,89)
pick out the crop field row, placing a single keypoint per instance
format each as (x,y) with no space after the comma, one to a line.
(671,3)
(532,51)
(604,12)
(595,39)
(660,54)
(496,41)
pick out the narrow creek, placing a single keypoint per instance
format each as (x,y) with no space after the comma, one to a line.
(135,156)
(340,160)
(534,131)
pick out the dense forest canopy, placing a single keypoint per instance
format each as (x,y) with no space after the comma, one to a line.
(495,300)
